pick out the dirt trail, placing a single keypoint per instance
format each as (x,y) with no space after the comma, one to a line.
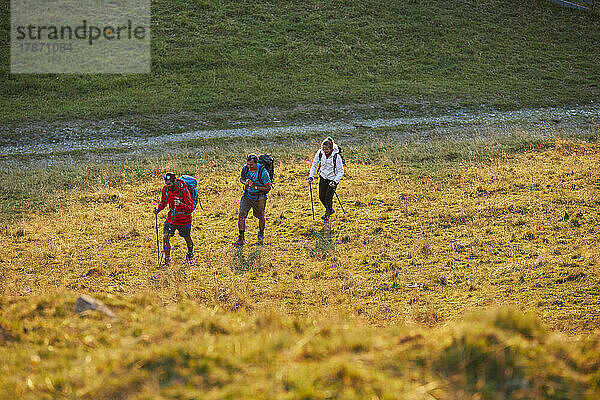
(114,141)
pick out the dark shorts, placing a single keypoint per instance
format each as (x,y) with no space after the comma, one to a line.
(257,206)
(184,230)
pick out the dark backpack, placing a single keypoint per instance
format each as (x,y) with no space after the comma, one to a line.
(269,163)
(264,161)
(339,153)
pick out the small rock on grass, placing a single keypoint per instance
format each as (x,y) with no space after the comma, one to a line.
(85,302)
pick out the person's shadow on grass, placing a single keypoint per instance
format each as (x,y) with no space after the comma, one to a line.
(251,262)
(324,246)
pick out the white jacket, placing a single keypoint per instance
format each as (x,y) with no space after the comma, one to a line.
(327,165)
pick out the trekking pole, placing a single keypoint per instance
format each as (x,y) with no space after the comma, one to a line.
(338,197)
(312,206)
(157,245)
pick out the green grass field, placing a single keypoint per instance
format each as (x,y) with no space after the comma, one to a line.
(214,56)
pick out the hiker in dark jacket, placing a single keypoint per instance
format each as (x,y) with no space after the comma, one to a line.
(257,184)
(176,195)
(332,170)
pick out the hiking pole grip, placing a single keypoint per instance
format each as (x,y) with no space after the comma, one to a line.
(312,206)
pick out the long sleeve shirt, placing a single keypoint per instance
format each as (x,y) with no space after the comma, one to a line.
(183,212)
(327,168)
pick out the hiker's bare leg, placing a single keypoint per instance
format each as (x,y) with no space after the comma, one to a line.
(167,246)
(261,214)
(241,222)
(190,244)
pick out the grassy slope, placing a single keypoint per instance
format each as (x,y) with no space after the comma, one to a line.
(212,55)
(518,231)
(296,318)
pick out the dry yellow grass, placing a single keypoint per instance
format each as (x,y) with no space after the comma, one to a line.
(520,231)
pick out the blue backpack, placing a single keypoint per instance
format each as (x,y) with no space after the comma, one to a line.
(192,184)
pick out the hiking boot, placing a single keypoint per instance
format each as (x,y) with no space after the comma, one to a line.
(330,212)
(325,217)
(240,241)
(261,237)
(189,256)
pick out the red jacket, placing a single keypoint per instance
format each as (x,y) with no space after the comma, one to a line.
(185,208)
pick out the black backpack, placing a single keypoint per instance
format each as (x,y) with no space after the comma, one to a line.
(264,161)
(269,163)
(339,153)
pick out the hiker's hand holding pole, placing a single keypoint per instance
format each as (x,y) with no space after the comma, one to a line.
(155,211)
(310,179)
(332,184)
(177,202)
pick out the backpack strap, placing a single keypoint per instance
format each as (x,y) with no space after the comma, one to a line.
(334,160)
(261,169)
(335,163)
(173,212)
(167,197)
(339,153)
(170,209)
(320,162)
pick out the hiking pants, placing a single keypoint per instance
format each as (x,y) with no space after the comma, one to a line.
(326,193)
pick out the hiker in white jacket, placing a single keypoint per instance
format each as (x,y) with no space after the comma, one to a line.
(331,171)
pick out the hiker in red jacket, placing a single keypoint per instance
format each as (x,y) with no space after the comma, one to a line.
(179,200)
